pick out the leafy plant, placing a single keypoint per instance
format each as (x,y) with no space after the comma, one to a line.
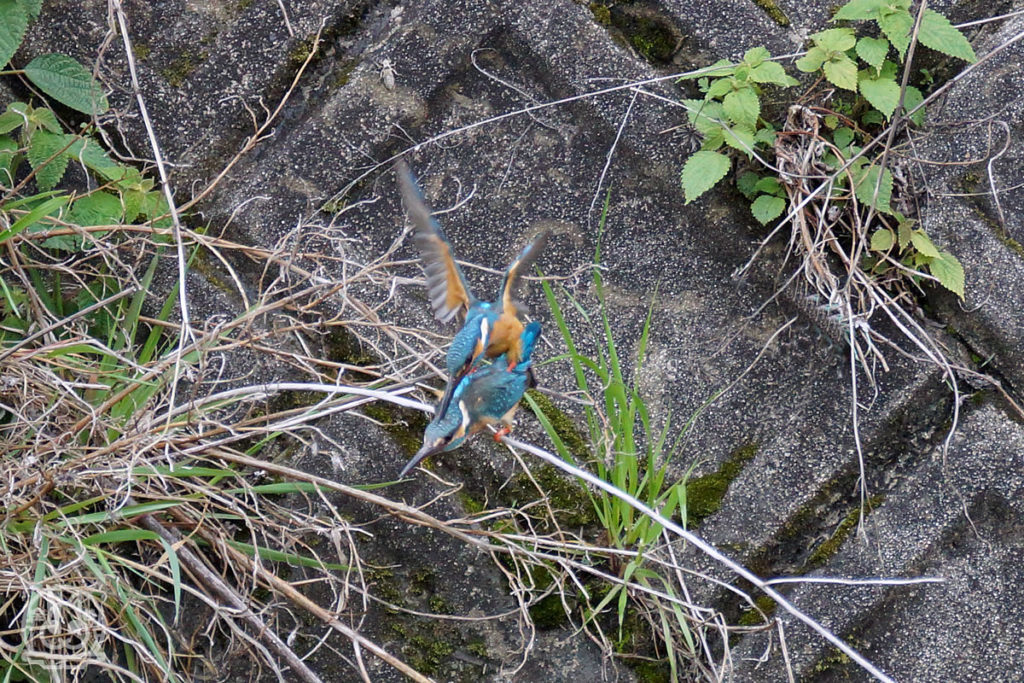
(731,115)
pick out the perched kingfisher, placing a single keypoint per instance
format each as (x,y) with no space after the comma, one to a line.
(487,396)
(490,329)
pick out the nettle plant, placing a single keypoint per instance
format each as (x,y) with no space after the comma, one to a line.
(870,68)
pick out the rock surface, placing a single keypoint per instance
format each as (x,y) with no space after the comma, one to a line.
(458,63)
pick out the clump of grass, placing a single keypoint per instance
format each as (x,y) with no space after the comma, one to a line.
(632,453)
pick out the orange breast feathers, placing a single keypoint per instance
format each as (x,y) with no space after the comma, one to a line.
(505,338)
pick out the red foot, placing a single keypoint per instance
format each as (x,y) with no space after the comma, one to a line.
(504,431)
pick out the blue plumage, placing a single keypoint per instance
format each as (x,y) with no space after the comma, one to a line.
(487,396)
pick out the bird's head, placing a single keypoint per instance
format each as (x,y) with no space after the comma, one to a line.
(444,433)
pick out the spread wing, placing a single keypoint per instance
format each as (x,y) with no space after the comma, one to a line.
(446,285)
(517,268)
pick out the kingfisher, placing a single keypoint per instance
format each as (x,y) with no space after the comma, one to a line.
(490,395)
(490,329)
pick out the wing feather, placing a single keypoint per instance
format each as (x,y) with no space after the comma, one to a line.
(446,285)
(522,264)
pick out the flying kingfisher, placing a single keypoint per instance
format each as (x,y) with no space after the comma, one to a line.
(490,329)
(489,395)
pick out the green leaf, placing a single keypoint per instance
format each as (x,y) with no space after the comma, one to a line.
(872,117)
(765,135)
(831,121)
(842,72)
(924,244)
(718,88)
(739,137)
(34,7)
(911,98)
(769,185)
(767,208)
(11,119)
(896,25)
(742,107)
(883,93)
(8,150)
(882,240)
(856,10)
(68,82)
(704,115)
(41,147)
(714,140)
(701,172)
(13,23)
(903,232)
(722,67)
(756,55)
(865,189)
(937,33)
(93,157)
(873,51)
(746,183)
(842,137)
(812,61)
(96,208)
(772,72)
(835,39)
(949,271)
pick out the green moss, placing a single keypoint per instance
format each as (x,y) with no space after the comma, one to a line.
(652,37)
(602,14)
(772,9)
(342,75)
(385,586)
(404,425)
(835,659)
(567,497)
(563,426)
(549,612)
(182,67)
(704,494)
(471,504)
(141,50)
(243,5)
(650,672)
(478,648)
(752,617)
(831,546)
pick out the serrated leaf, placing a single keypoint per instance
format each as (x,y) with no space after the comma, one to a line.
(873,51)
(923,244)
(718,88)
(96,208)
(719,68)
(68,82)
(41,147)
(812,61)
(949,271)
(10,120)
(41,117)
(739,137)
(882,240)
(746,183)
(704,115)
(866,193)
(765,135)
(842,137)
(13,24)
(742,107)
(856,10)
(8,150)
(768,185)
(154,205)
(714,140)
(911,98)
(835,39)
(767,208)
(772,72)
(896,25)
(937,33)
(701,172)
(756,55)
(132,200)
(87,152)
(882,93)
(842,72)
(34,7)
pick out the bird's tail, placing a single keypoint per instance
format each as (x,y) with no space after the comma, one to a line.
(528,339)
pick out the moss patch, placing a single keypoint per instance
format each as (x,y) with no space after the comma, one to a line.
(830,547)
(774,12)
(752,617)
(567,497)
(141,50)
(181,68)
(704,494)
(404,425)
(563,425)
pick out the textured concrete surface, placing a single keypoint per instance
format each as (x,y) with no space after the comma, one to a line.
(461,62)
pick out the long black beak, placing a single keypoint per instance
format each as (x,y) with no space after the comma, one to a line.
(426,451)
